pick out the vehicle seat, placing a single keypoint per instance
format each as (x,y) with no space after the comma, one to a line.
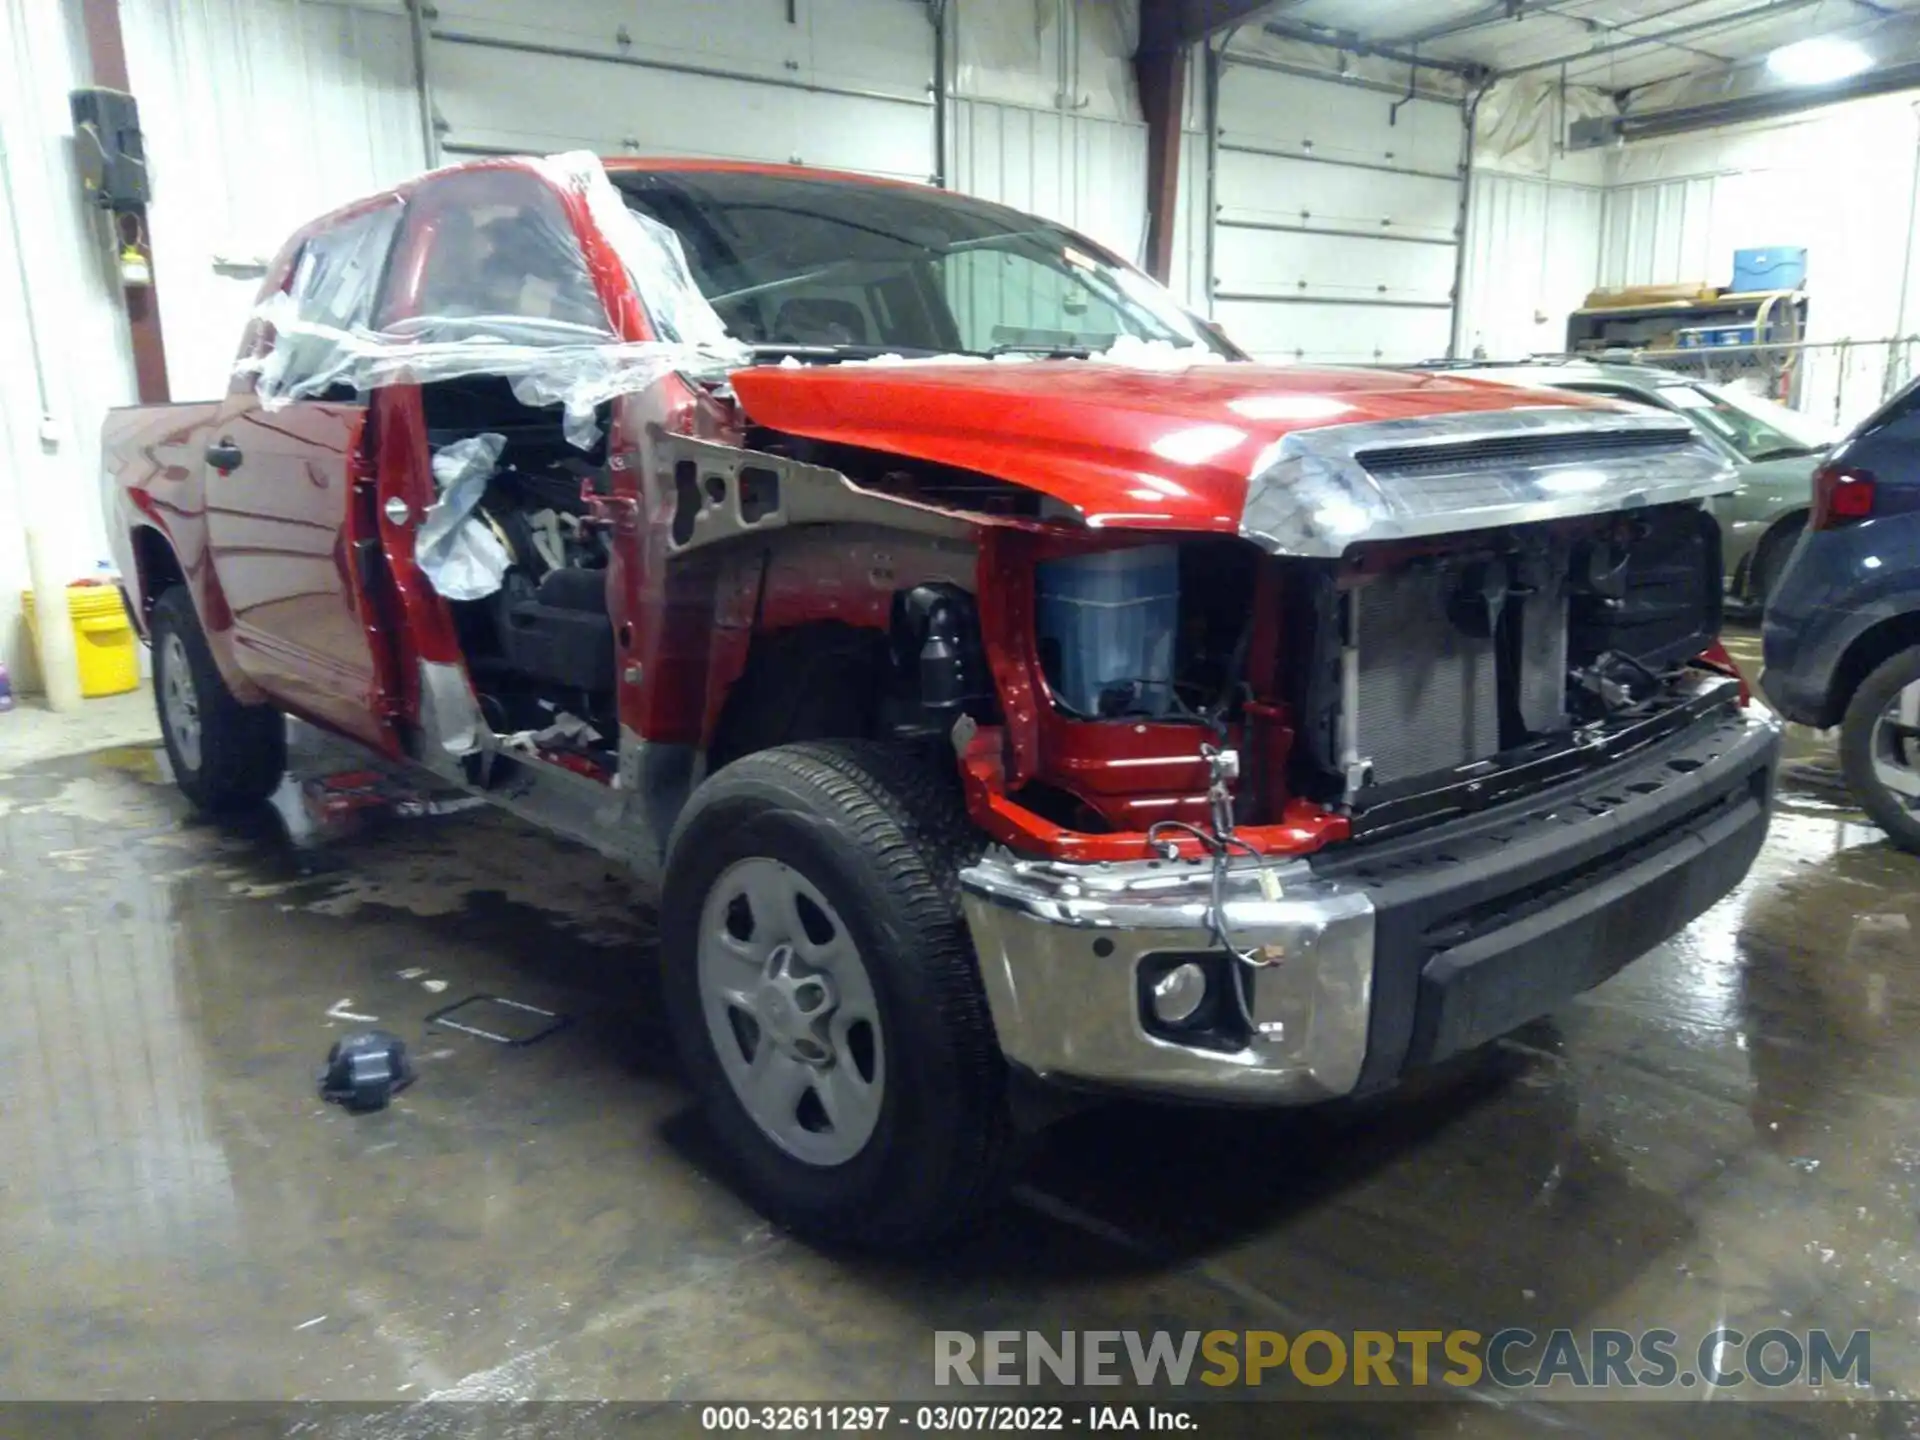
(818,320)
(562,634)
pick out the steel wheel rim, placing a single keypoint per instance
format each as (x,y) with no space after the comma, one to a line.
(1894,747)
(791,1012)
(180,701)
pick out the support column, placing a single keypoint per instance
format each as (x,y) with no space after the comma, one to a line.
(1162,77)
(107,57)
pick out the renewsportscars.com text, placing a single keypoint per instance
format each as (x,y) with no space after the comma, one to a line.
(1513,1358)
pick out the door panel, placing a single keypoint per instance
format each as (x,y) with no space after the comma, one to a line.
(280,529)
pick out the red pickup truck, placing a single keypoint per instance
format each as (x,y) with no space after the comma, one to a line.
(1009,692)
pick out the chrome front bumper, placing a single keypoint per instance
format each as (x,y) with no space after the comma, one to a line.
(1061,947)
(1390,957)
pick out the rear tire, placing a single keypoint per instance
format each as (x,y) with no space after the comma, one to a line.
(225,755)
(811,891)
(1876,755)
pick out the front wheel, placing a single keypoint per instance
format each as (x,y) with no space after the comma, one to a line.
(225,755)
(824,995)
(1880,747)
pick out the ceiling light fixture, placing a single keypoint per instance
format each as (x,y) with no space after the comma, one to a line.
(1820,60)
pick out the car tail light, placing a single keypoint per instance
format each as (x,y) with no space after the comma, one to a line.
(1841,495)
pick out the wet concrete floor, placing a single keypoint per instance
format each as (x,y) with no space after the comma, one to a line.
(1724,1134)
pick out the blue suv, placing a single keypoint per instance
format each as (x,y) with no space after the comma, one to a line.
(1842,637)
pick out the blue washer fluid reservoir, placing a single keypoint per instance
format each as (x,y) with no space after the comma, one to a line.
(1106,625)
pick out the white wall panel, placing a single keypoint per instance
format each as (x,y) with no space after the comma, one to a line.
(1336,212)
(1330,333)
(64,356)
(1533,253)
(843,84)
(1660,232)
(258,115)
(879,45)
(611,109)
(1336,122)
(1318,196)
(1839,181)
(1289,265)
(1088,173)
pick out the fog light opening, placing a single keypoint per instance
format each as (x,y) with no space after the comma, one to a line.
(1178,995)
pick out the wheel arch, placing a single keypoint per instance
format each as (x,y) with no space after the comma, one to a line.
(157,569)
(820,680)
(1867,652)
(1778,531)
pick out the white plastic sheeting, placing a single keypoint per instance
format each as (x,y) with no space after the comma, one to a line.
(1521,126)
(456,549)
(324,336)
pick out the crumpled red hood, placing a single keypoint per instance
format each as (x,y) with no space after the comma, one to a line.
(1149,449)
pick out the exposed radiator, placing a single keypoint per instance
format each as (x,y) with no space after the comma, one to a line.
(1543,656)
(1421,694)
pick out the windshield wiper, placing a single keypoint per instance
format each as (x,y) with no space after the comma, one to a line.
(814,350)
(1051,352)
(1784,452)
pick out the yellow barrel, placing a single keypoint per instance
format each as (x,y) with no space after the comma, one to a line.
(103,638)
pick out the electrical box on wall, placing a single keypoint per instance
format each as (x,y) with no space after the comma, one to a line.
(113,163)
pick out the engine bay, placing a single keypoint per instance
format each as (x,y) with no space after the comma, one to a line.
(1401,669)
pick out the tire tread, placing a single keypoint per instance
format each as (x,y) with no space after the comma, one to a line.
(905,818)
(243,748)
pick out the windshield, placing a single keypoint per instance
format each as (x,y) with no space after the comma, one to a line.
(1758,429)
(798,264)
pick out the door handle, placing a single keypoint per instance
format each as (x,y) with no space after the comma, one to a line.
(224,455)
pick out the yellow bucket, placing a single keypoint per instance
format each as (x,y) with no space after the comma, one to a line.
(103,638)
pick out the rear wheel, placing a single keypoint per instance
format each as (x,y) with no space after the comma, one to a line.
(225,755)
(825,998)
(1880,747)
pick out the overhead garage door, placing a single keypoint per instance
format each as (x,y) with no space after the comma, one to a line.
(1335,219)
(843,84)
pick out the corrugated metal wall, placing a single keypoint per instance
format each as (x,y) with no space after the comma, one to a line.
(1044,116)
(1533,253)
(63,353)
(1087,173)
(1839,181)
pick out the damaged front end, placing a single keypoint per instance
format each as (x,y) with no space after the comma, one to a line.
(1449,687)
(1420,618)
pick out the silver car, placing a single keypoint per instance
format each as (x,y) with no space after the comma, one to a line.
(1775,450)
